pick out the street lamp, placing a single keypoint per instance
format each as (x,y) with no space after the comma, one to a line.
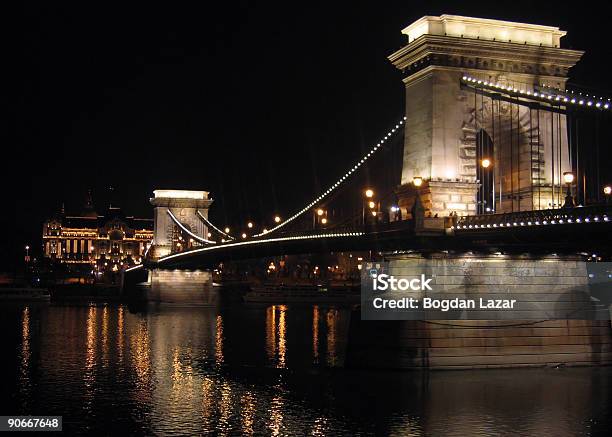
(250,225)
(369,193)
(371,204)
(607,191)
(244,235)
(417,207)
(227,230)
(320,212)
(568,178)
(486,163)
(277,219)
(324,221)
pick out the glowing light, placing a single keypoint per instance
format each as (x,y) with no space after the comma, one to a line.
(227,230)
(568,177)
(250,225)
(244,235)
(320,212)
(417,181)
(486,163)
(180,194)
(369,193)
(372,205)
(607,190)
(277,219)
(324,221)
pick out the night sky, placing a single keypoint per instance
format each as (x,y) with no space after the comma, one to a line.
(260,104)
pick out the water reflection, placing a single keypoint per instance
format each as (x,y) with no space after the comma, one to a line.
(271,332)
(140,354)
(315,334)
(25,356)
(332,332)
(247,404)
(255,370)
(276,335)
(282,336)
(219,340)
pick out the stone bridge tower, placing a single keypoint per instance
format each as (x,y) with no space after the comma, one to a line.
(445,120)
(184,205)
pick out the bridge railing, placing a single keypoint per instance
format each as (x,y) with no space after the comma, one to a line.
(542,217)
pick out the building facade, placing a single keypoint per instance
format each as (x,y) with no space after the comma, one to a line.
(104,242)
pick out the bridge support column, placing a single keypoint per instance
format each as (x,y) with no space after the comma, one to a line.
(184,205)
(457,344)
(181,287)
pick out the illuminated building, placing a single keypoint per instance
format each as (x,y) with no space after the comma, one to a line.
(108,241)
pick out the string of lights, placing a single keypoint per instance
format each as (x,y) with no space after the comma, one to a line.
(187,231)
(573,92)
(261,241)
(338,182)
(533,223)
(537,95)
(209,223)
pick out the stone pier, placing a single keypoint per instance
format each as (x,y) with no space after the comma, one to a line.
(183,287)
(460,344)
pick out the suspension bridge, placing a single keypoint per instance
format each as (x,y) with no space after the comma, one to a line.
(495,149)
(494,181)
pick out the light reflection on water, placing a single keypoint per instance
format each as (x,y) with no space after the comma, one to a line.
(273,370)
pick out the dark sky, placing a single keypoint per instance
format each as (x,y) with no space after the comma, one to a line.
(258,103)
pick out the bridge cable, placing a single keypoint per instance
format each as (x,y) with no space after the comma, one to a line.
(209,223)
(338,182)
(187,231)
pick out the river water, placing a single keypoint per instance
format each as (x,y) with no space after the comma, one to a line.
(264,370)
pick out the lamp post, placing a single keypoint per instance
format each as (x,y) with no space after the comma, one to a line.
(318,217)
(27,255)
(369,194)
(417,181)
(568,178)
(417,210)
(485,163)
(607,191)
